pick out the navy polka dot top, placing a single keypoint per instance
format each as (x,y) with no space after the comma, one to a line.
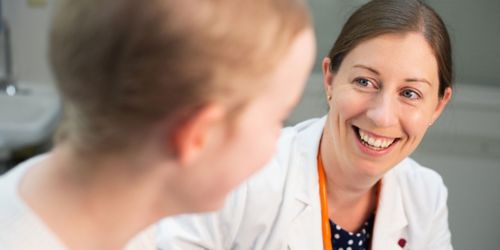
(343,240)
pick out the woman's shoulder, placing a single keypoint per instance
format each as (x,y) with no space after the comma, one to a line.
(413,173)
(302,138)
(295,132)
(296,146)
(420,185)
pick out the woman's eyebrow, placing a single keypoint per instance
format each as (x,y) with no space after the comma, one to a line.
(418,80)
(367,68)
(413,79)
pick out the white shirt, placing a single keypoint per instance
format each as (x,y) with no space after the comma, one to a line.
(279,207)
(22,229)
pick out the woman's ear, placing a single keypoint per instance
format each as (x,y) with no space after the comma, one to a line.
(443,101)
(327,77)
(191,139)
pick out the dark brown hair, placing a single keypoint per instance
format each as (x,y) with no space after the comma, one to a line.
(379,17)
(123,66)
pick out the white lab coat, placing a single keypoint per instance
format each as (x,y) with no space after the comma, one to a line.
(279,207)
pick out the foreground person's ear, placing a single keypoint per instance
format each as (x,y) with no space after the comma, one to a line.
(195,134)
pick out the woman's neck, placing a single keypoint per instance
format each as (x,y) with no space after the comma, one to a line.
(352,197)
(99,206)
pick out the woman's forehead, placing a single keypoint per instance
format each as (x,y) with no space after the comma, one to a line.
(404,53)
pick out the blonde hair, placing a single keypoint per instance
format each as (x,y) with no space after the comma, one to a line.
(123,66)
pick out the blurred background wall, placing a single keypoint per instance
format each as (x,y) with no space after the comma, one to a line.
(464,145)
(29,23)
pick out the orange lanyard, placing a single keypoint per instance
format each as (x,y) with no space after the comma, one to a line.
(325,219)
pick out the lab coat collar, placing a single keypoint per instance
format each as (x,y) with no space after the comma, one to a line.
(307,146)
(391,220)
(307,217)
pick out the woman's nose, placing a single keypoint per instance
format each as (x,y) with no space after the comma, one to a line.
(382,112)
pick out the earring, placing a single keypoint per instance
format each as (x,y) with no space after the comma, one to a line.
(329,97)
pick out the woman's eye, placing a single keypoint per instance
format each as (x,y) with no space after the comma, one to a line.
(410,94)
(363,82)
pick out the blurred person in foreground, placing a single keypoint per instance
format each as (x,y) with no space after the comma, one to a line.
(168,105)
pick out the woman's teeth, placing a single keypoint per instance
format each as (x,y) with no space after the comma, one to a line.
(376,143)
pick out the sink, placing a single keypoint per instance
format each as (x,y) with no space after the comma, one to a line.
(29,117)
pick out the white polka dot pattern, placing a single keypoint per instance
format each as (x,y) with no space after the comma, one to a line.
(344,240)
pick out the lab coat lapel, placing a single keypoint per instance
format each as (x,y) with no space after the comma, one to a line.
(389,232)
(305,227)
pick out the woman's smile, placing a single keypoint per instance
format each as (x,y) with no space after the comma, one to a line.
(372,144)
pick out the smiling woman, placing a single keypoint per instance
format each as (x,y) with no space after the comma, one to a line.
(345,181)
(384,97)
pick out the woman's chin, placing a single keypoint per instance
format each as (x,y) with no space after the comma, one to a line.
(372,169)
